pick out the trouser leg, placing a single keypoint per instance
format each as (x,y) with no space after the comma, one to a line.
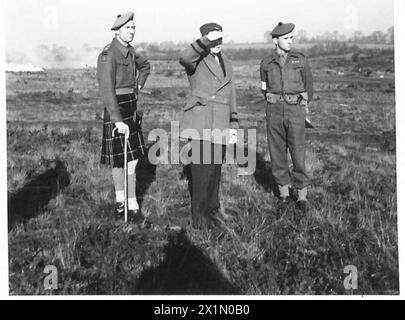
(205,184)
(200,175)
(276,138)
(213,188)
(296,144)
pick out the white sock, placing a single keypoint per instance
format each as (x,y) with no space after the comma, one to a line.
(133,204)
(119,196)
(284,192)
(302,194)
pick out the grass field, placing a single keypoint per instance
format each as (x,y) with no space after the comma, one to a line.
(60,200)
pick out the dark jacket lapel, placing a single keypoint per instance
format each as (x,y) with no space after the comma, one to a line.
(228,71)
(214,67)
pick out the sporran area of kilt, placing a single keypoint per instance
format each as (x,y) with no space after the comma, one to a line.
(112,149)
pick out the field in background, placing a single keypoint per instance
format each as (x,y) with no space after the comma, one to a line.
(60,200)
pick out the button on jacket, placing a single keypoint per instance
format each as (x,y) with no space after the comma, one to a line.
(212,104)
(119,67)
(291,77)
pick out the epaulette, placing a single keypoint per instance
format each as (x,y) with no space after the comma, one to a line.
(297,53)
(105,50)
(104,53)
(268,59)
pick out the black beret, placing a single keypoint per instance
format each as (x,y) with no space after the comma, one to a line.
(282,29)
(122,19)
(208,27)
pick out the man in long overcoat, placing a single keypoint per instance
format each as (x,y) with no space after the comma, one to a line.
(209,115)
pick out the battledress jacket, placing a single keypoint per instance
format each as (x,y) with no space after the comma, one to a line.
(294,77)
(119,67)
(212,104)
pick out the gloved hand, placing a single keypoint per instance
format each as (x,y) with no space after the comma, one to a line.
(215,35)
(233,136)
(122,128)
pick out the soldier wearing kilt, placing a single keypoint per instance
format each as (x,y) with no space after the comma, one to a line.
(121,72)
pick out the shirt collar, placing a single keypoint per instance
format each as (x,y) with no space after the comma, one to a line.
(124,50)
(281,55)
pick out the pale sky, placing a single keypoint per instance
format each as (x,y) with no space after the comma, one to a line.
(72,23)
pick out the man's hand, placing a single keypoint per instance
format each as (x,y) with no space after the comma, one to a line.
(270,97)
(215,35)
(122,128)
(139,113)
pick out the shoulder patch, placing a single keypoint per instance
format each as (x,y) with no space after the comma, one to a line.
(104,53)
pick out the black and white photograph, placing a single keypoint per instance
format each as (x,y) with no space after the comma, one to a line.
(201,148)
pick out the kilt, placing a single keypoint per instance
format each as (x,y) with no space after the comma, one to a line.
(112,148)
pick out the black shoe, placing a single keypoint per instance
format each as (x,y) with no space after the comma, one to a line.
(119,210)
(198,222)
(204,223)
(285,199)
(135,216)
(146,223)
(302,205)
(221,215)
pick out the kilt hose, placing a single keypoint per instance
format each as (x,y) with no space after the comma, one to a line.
(112,148)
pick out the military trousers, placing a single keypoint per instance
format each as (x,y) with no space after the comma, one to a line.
(286,132)
(205,181)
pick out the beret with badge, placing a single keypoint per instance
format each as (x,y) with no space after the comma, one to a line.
(121,20)
(282,29)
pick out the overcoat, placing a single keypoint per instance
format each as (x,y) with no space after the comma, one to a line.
(212,104)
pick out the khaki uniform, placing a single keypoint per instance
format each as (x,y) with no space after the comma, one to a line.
(288,80)
(119,67)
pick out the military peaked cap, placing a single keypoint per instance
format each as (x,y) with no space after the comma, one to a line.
(208,27)
(122,19)
(282,29)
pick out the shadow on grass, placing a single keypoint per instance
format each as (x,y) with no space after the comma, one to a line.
(184,270)
(263,175)
(145,175)
(29,201)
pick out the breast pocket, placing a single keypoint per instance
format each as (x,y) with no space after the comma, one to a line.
(124,72)
(123,63)
(295,74)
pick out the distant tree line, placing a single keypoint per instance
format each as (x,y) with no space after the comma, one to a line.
(329,43)
(376,37)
